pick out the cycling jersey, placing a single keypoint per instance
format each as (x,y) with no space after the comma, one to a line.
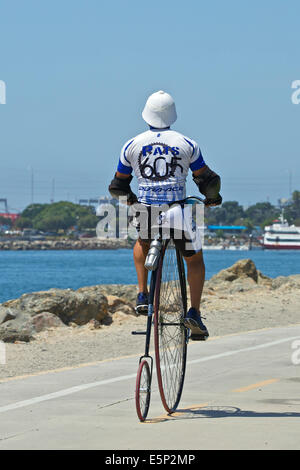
(160,159)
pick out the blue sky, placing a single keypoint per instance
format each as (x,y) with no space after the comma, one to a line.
(78,73)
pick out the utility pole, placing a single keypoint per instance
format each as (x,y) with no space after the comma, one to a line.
(52,191)
(32,185)
(5,205)
(290,183)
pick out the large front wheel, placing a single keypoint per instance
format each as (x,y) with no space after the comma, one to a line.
(170,335)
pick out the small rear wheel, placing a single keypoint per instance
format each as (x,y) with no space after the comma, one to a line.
(143,390)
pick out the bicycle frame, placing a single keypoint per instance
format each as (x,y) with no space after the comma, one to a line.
(147,333)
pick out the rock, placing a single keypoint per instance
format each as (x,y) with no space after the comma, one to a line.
(242,269)
(289,282)
(66,244)
(70,306)
(23,326)
(20,319)
(125,292)
(18,329)
(7,314)
(241,285)
(45,320)
(119,304)
(279,281)
(93,325)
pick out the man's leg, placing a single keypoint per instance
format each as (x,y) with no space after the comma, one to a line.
(140,251)
(195,277)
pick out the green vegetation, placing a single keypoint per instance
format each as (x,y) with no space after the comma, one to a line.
(260,214)
(57,216)
(292,211)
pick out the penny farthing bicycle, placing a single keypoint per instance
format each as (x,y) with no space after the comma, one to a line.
(166,310)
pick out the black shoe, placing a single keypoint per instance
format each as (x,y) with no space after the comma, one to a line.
(194,322)
(142,304)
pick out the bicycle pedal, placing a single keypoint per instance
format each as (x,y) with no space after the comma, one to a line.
(196,337)
(141,311)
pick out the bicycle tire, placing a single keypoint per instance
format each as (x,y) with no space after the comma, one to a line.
(143,390)
(170,335)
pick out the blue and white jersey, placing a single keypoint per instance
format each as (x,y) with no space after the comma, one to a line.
(160,159)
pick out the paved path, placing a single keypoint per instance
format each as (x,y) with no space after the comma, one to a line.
(241,392)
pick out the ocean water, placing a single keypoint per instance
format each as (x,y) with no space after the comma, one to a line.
(29,271)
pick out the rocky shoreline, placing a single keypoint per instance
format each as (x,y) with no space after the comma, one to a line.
(64,244)
(21,319)
(64,327)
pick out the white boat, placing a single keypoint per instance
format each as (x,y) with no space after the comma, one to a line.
(213,247)
(281,236)
(226,247)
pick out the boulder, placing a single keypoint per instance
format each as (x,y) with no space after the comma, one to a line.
(18,329)
(288,282)
(23,326)
(7,314)
(117,304)
(70,306)
(242,269)
(45,320)
(127,293)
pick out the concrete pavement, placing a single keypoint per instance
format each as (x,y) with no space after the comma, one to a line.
(241,392)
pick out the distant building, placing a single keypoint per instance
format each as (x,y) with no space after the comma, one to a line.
(6,213)
(232,229)
(12,217)
(227,228)
(95,202)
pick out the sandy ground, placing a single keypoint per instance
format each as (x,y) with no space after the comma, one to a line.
(225,313)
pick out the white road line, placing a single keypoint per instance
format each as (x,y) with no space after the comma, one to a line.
(238,351)
(79,388)
(63,393)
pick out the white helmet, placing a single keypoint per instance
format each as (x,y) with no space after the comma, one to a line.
(160,110)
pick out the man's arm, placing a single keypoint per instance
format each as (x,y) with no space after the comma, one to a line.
(122,175)
(120,186)
(209,184)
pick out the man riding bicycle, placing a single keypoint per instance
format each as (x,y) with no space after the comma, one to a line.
(161,159)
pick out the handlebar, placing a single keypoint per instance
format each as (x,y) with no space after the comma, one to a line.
(193,200)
